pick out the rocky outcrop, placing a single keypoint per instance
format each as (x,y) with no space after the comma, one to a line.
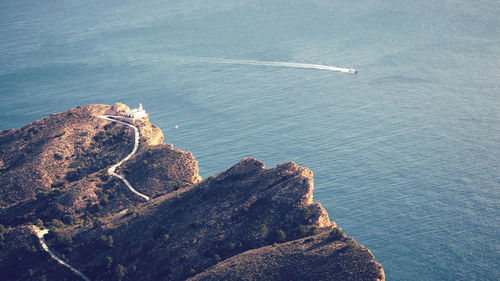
(56,167)
(245,214)
(39,156)
(313,258)
(244,167)
(161,169)
(247,222)
(150,134)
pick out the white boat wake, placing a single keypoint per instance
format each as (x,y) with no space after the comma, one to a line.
(289,64)
(268,63)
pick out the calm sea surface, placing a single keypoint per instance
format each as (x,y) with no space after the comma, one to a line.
(406,153)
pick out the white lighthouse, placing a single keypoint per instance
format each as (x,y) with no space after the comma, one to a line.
(137,113)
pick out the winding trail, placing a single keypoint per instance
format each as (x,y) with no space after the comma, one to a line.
(40,233)
(112,169)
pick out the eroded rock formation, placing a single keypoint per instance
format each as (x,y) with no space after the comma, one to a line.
(247,222)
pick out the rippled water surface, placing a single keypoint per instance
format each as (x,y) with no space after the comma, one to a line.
(405,153)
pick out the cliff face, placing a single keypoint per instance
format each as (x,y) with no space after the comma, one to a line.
(62,149)
(248,222)
(161,169)
(319,257)
(56,168)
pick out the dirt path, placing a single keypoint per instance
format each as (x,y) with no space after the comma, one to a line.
(112,169)
(40,233)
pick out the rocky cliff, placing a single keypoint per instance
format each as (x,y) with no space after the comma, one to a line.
(246,223)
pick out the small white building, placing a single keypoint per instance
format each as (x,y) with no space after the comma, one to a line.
(137,113)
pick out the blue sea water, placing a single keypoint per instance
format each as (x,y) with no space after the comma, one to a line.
(405,153)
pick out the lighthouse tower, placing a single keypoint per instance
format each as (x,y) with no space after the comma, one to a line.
(137,113)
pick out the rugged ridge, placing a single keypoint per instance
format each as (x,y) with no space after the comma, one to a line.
(331,260)
(248,222)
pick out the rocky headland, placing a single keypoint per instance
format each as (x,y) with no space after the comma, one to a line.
(248,222)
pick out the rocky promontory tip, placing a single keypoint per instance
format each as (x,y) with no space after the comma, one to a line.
(80,176)
(245,166)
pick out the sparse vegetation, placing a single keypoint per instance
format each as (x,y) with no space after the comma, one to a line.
(106,241)
(171,237)
(302,230)
(57,184)
(231,246)
(56,223)
(280,236)
(315,230)
(263,231)
(120,272)
(306,213)
(104,199)
(31,248)
(108,262)
(132,210)
(217,258)
(63,238)
(336,233)
(103,151)
(351,243)
(192,271)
